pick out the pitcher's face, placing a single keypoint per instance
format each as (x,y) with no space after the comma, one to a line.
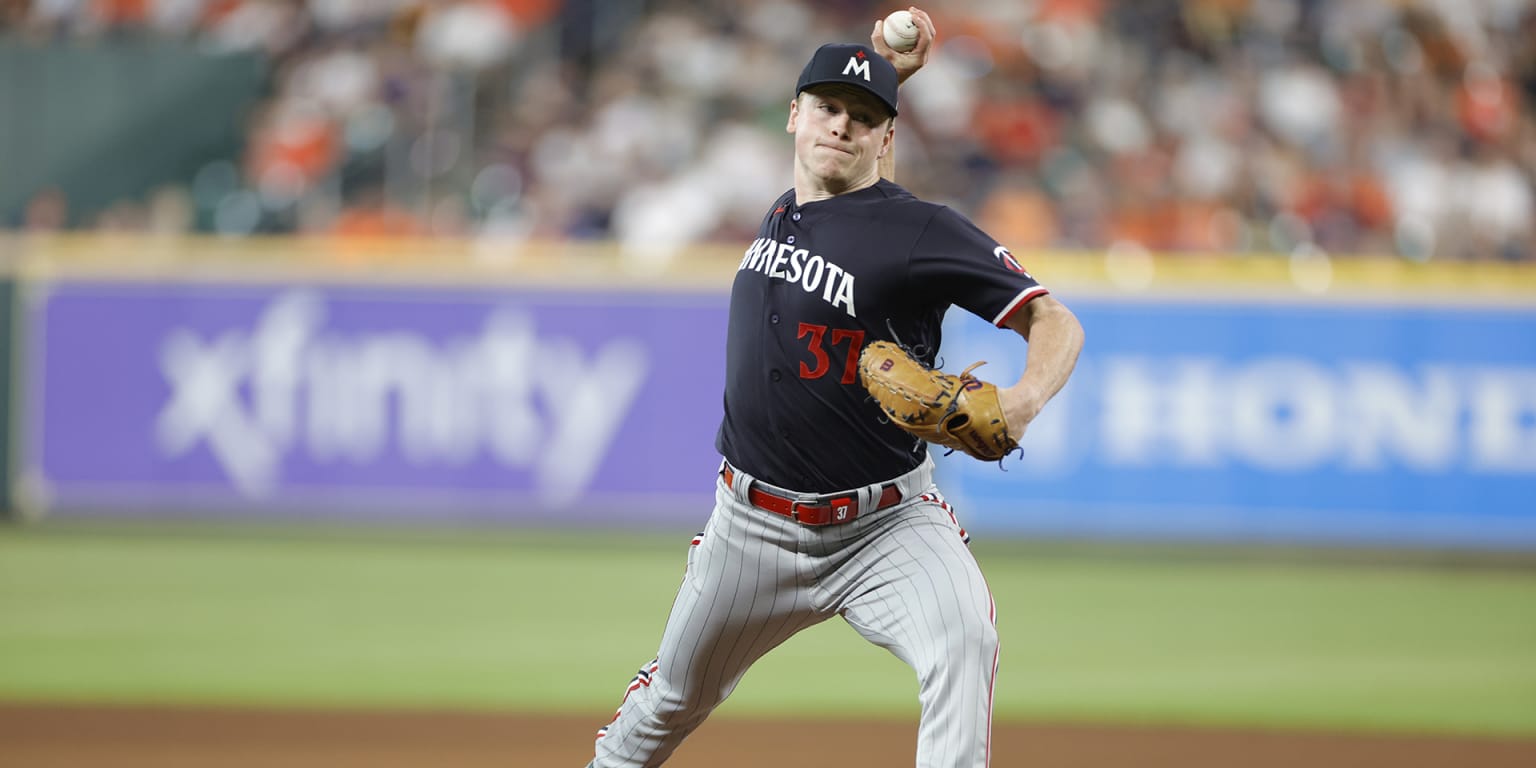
(840,134)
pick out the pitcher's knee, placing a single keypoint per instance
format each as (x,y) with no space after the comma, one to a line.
(979,638)
(987,638)
(681,708)
(968,642)
(974,622)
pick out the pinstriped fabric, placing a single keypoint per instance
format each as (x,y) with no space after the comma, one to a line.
(914,589)
(902,577)
(741,596)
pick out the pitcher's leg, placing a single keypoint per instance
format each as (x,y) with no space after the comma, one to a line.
(925,600)
(740,598)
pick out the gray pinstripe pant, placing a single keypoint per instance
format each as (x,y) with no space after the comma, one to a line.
(902,577)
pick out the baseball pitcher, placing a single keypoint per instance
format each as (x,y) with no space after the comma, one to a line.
(825,504)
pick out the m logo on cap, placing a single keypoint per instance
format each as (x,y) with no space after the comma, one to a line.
(857,67)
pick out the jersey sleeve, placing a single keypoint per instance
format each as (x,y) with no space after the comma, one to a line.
(968,269)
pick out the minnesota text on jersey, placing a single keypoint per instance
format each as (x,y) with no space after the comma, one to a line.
(798,265)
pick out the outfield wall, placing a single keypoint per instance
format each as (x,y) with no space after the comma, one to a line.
(1274,420)
(296,379)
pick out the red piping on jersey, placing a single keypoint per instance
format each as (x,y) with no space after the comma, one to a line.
(1029,294)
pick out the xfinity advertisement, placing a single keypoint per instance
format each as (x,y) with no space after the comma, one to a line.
(352,401)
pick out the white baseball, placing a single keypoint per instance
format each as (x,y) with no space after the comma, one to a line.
(900,31)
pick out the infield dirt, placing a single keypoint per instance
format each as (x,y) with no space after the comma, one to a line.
(59,736)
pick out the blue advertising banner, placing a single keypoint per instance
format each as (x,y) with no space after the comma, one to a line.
(1261,421)
(374,402)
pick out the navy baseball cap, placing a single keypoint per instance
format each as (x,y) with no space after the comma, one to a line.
(856,65)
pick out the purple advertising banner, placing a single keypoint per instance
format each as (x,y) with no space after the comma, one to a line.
(372,402)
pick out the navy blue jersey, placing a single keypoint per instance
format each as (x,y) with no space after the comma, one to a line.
(822,280)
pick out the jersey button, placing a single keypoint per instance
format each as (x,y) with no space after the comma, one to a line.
(775,375)
(796,216)
(790,239)
(774,318)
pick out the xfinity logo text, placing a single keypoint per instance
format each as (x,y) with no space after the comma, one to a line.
(289,387)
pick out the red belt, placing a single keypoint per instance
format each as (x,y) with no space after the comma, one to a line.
(824,510)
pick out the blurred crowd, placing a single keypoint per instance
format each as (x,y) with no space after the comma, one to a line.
(1236,126)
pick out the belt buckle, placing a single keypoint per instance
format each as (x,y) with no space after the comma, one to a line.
(802,501)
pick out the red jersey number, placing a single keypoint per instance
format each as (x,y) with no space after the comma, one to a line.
(818,334)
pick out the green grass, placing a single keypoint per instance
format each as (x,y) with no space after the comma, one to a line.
(560,623)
